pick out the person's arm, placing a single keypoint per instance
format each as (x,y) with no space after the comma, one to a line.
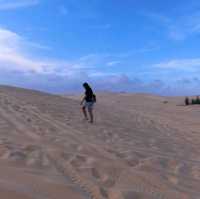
(83,99)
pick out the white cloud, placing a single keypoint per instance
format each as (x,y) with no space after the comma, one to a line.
(143,50)
(14,51)
(185,26)
(15,4)
(58,75)
(182,64)
(38,46)
(113,63)
(178,27)
(9,41)
(15,56)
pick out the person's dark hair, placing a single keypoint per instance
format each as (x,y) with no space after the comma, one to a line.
(86,85)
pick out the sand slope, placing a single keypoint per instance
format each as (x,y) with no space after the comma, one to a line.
(141,146)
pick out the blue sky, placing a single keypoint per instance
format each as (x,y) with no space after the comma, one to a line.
(132,45)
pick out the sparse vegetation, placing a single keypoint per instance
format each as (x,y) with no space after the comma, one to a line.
(193,101)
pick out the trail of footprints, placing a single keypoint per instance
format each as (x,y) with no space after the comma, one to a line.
(63,166)
(78,180)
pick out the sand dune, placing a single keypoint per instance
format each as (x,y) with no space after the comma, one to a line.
(140,147)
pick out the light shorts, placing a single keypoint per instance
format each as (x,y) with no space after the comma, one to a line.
(88,105)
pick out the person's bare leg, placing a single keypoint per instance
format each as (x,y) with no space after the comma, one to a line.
(91,115)
(85,113)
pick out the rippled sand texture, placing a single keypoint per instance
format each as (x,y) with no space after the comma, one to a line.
(140,147)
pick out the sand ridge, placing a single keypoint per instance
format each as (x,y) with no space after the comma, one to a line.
(139,147)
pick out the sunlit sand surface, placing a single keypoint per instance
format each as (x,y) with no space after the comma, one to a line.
(140,147)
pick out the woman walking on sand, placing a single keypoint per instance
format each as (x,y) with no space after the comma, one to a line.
(87,102)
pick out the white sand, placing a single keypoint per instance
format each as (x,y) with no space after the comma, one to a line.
(140,147)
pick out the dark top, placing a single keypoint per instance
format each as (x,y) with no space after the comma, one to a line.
(89,95)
